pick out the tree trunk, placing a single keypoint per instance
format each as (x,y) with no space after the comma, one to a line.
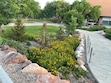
(44,34)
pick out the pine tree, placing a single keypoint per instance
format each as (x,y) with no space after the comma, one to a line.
(18,31)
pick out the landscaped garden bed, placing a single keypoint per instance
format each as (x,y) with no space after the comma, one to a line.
(56,54)
(58,58)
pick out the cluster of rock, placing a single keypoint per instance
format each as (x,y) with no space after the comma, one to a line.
(25,66)
(80,52)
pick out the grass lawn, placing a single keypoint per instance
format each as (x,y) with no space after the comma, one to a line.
(36,30)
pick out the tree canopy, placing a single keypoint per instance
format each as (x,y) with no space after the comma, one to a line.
(76,14)
(56,9)
(82,10)
(6,11)
(62,11)
(26,8)
(18,8)
(94,13)
(82,7)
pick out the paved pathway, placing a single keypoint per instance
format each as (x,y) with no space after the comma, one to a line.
(4,78)
(100,64)
(37,24)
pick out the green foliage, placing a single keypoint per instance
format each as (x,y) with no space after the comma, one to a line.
(35,8)
(82,7)
(108,30)
(74,42)
(81,10)
(88,11)
(60,33)
(22,48)
(49,10)
(68,17)
(56,9)
(0,40)
(94,13)
(58,57)
(72,25)
(18,31)
(77,72)
(96,28)
(29,37)
(108,33)
(23,8)
(6,11)
(7,33)
(61,8)
(65,71)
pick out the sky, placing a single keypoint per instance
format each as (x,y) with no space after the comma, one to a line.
(43,2)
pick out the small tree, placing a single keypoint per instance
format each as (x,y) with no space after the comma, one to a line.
(18,31)
(60,33)
(72,25)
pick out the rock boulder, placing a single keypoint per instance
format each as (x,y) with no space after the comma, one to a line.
(15,58)
(49,78)
(5,47)
(35,68)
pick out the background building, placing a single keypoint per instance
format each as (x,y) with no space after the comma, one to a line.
(105,17)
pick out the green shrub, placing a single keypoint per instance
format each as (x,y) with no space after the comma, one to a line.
(73,42)
(60,33)
(108,30)
(96,28)
(7,34)
(59,54)
(77,72)
(22,48)
(29,37)
(28,43)
(65,71)
(83,28)
(108,35)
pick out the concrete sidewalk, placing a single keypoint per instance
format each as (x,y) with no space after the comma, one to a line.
(36,24)
(4,78)
(100,64)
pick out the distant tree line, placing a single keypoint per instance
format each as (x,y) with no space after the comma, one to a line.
(58,10)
